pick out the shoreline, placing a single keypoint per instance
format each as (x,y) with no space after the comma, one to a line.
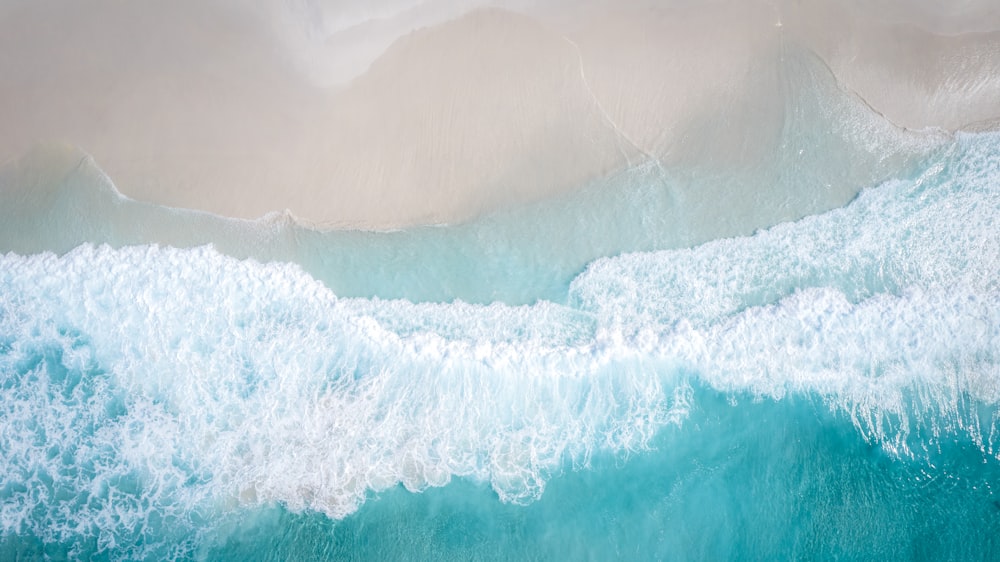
(492,109)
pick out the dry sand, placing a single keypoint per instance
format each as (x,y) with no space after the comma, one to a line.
(207,105)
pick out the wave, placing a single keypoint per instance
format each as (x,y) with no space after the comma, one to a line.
(145,388)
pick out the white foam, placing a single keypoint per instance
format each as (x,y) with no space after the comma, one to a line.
(259,384)
(150,384)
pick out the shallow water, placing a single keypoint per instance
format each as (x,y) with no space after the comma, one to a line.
(743,479)
(631,371)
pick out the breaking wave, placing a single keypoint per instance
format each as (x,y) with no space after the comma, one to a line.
(146,389)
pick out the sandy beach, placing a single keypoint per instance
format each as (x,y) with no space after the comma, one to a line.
(438,114)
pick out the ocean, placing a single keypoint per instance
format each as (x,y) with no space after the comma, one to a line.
(797,359)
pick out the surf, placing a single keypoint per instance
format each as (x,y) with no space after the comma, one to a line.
(148,389)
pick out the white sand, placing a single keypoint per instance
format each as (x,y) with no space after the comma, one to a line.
(202,104)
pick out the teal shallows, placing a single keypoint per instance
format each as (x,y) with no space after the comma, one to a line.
(743,479)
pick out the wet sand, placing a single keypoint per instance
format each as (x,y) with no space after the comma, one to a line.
(212,106)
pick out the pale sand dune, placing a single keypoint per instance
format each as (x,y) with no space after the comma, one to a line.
(205,105)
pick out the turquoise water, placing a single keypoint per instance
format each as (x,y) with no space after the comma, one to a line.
(754,480)
(799,360)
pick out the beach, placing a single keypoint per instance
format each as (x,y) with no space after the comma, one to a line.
(211,106)
(456,280)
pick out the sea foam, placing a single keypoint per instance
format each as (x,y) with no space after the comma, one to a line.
(144,389)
